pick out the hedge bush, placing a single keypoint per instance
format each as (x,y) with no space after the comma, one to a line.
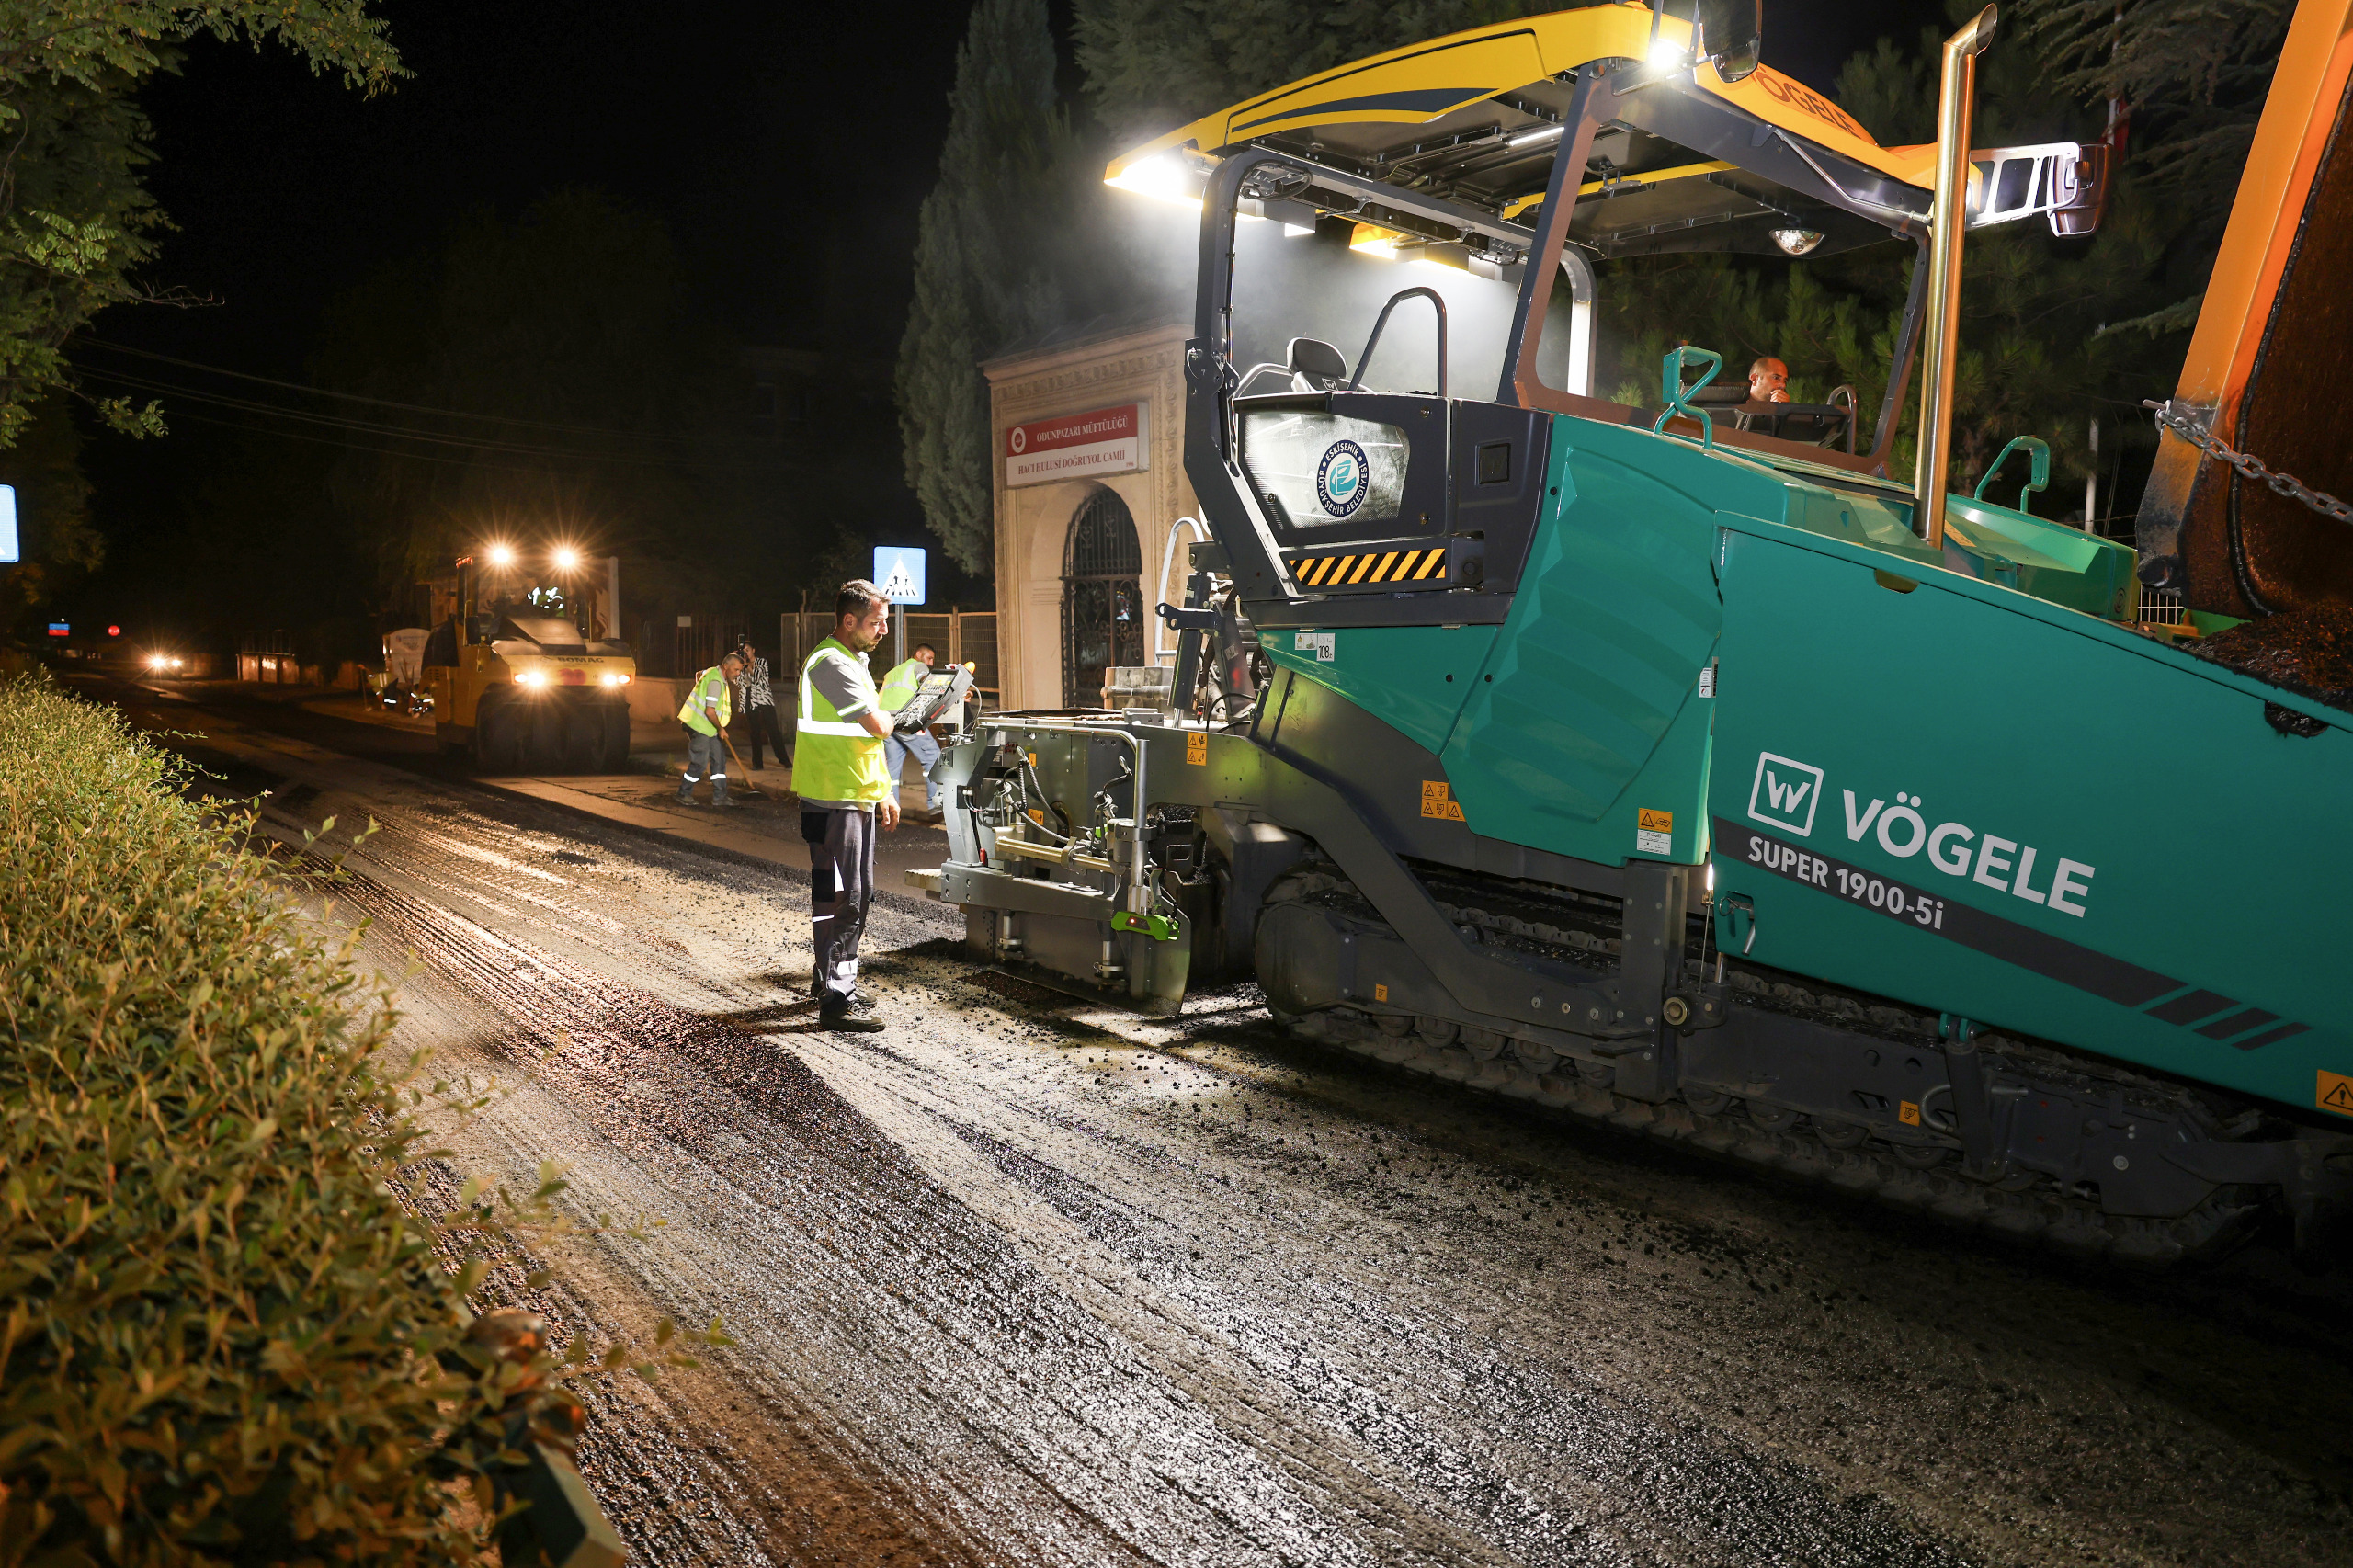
(222,1337)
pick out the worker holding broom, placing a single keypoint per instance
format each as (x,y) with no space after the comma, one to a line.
(705,715)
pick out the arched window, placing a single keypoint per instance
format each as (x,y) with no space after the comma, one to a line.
(1103,607)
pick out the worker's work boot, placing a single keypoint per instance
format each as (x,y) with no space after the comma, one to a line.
(837,1014)
(718,793)
(686,792)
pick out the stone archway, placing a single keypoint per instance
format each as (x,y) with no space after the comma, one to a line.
(1103,607)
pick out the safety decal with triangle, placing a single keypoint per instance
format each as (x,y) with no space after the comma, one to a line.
(2335,1093)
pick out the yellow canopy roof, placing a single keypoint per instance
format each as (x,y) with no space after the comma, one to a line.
(1510,74)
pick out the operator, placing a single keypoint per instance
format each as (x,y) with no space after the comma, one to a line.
(898,690)
(845,796)
(705,715)
(1768,381)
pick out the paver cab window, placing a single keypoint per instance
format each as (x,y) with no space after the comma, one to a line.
(1322,470)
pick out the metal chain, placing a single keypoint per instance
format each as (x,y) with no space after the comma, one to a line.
(2286,484)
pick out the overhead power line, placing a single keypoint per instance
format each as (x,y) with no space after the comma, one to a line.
(252,429)
(368,427)
(347,427)
(457,444)
(601,431)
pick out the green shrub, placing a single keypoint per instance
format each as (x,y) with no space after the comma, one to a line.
(222,1338)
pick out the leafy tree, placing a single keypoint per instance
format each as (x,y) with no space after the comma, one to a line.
(2196,74)
(991,262)
(75,220)
(2195,70)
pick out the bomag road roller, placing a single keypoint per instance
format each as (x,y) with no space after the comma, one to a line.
(1678,766)
(520,677)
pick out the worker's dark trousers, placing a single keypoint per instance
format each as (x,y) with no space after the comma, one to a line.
(760,726)
(706,758)
(841,883)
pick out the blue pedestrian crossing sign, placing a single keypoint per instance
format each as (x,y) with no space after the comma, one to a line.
(898,572)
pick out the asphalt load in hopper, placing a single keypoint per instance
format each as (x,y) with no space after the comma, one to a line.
(1018,1282)
(2309,651)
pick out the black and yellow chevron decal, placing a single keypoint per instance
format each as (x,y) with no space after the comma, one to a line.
(1382,566)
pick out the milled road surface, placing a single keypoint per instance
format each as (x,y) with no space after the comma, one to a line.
(1021,1282)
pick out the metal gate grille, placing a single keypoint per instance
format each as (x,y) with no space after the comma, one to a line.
(1102,599)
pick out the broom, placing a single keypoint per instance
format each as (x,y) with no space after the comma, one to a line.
(750,787)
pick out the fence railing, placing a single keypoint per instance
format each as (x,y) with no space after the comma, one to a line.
(698,646)
(962,637)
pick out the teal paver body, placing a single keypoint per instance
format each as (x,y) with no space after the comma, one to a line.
(1949,778)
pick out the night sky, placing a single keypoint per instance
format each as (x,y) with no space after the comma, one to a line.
(787,146)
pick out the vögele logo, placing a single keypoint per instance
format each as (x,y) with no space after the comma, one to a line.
(1785,794)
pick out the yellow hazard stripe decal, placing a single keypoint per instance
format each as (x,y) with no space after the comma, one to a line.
(1395,566)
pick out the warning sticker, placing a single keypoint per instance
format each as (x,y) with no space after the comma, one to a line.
(1654,832)
(1437,800)
(1320,644)
(1908,1112)
(2334,1093)
(1196,748)
(1380,993)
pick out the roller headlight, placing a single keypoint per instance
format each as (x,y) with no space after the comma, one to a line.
(532,677)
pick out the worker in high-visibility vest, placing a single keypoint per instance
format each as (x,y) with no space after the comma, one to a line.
(845,797)
(898,690)
(704,714)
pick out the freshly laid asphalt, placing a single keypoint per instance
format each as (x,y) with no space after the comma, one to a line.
(1022,1280)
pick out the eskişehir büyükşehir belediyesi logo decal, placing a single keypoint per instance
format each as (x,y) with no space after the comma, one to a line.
(1340,478)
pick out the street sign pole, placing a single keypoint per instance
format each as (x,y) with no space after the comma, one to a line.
(899,572)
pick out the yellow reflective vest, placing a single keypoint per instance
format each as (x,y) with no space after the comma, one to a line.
(835,759)
(708,695)
(899,685)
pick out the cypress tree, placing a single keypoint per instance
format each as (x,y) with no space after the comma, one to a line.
(983,275)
